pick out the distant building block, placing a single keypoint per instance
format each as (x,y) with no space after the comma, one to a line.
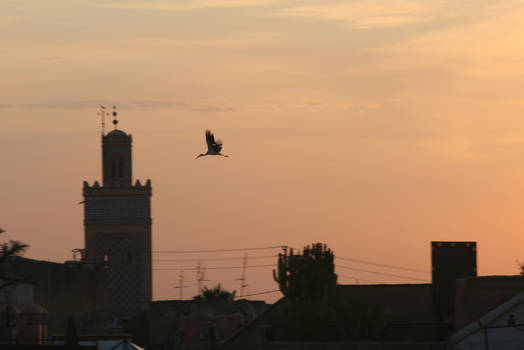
(450,260)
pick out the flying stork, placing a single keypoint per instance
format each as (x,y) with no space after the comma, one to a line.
(213,147)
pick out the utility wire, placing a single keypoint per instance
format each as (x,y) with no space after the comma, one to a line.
(382,265)
(216,259)
(360,279)
(381,273)
(215,250)
(190,251)
(187,300)
(216,268)
(259,293)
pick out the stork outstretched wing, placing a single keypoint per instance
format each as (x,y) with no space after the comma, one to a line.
(212,145)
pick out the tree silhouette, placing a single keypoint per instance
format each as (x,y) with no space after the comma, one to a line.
(316,310)
(216,293)
(11,248)
(308,275)
(521,268)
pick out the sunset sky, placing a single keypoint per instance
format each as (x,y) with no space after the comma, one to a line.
(373,126)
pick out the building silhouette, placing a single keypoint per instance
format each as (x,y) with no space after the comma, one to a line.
(117,220)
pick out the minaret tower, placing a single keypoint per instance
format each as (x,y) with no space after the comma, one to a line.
(117,220)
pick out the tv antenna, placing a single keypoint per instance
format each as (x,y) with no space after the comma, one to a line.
(180,285)
(242,280)
(102,113)
(200,271)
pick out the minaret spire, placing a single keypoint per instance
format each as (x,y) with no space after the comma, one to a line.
(117,220)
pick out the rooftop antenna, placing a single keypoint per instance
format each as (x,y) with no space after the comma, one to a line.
(115,121)
(181,283)
(200,277)
(102,113)
(242,280)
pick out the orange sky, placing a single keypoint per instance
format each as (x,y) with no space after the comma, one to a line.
(373,126)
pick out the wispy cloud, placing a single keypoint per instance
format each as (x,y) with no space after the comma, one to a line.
(146,105)
(501,147)
(64,105)
(367,14)
(360,107)
(359,14)
(487,48)
(51,58)
(2,105)
(133,105)
(213,109)
(363,108)
(129,105)
(186,5)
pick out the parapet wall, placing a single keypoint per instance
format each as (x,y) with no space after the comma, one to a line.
(137,189)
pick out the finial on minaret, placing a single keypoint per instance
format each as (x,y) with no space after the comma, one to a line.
(115,121)
(102,113)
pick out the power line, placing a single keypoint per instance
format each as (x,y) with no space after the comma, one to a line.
(215,250)
(259,293)
(186,251)
(381,273)
(360,279)
(382,265)
(216,259)
(216,268)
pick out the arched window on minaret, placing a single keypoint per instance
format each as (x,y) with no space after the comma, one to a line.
(117,166)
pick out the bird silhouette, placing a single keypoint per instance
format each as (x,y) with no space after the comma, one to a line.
(213,147)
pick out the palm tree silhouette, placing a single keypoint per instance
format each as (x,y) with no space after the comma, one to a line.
(11,248)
